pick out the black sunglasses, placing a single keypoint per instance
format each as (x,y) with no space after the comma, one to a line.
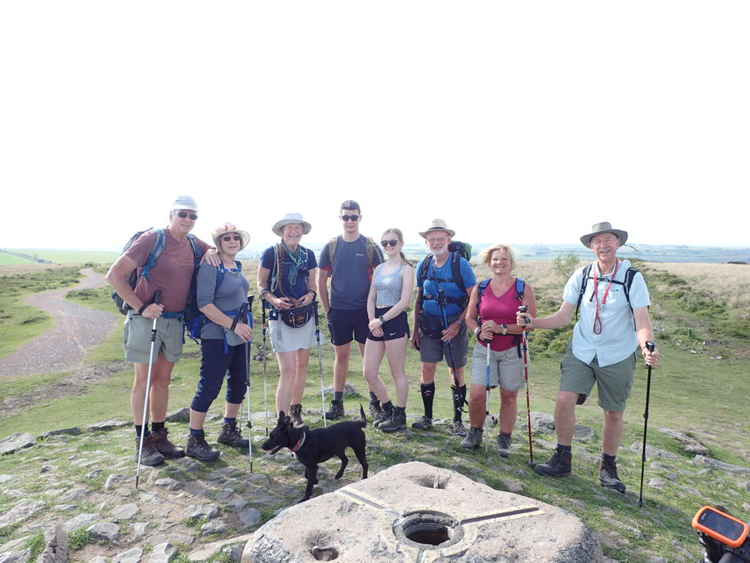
(183,214)
(387,243)
(350,217)
(227,238)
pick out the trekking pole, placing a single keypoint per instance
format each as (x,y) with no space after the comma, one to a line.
(249,367)
(650,346)
(157,299)
(441,303)
(525,346)
(264,329)
(487,389)
(320,368)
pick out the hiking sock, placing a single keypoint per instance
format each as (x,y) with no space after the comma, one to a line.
(231,422)
(199,433)
(564,449)
(608,460)
(459,398)
(139,430)
(388,407)
(374,399)
(338,396)
(157,426)
(427,391)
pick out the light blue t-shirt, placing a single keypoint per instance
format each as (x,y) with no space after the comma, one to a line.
(618,339)
(442,278)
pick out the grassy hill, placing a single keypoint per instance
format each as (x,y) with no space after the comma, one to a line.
(55,256)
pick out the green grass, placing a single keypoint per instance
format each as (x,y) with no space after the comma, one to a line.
(99,298)
(11,260)
(79,539)
(69,256)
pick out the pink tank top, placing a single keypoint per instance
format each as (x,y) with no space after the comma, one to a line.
(501,310)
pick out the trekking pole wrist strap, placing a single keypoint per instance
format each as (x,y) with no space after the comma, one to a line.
(143,308)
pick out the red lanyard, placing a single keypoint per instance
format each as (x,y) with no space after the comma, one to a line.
(597,316)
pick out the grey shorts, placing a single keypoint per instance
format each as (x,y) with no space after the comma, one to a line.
(137,338)
(505,366)
(287,339)
(613,382)
(432,350)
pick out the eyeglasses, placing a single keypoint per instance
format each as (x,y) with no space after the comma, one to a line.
(183,214)
(227,238)
(387,243)
(350,217)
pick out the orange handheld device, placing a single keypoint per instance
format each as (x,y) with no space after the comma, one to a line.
(721,526)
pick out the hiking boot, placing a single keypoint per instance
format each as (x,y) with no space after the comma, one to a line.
(608,477)
(473,439)
(150,455)
(458,428)
(375,409)
(423,423)
(231,436)
(397,422)
(385,415)
(165,447)
(200,450)
(557,466)
(295,412)
(503,445)
(337,410)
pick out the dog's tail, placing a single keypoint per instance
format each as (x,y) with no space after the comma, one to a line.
(363,418)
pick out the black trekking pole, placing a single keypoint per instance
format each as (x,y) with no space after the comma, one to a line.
(650,346)
(157,299)
(441,303)
(249,368)
(320,368)
(525,346)
(264,351)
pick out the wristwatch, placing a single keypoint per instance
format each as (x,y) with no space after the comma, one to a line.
(505,328)
(382,320)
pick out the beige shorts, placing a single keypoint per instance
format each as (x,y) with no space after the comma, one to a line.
(505,366)
(137,339)
(613,382)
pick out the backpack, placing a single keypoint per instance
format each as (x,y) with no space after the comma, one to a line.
(629,276)
(373,252)
(457,251)
(195,324)
(520,290)
(159,245)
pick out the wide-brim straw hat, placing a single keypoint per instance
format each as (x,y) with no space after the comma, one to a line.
(604,227)
(227,228)
(289,219)
(438,225)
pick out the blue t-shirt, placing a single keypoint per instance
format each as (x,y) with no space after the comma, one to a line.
(351,272)
(441,278)
(287,289)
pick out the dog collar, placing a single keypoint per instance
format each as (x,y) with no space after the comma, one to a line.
(299,443)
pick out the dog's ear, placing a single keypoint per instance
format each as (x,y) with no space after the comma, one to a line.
(282,416)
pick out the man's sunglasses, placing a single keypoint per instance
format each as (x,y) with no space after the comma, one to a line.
(387,243)
(227,238)
(183,214)
(350,217)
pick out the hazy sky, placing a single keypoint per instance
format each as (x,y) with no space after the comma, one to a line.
(517,122)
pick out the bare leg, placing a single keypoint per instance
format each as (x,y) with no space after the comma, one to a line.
(508,410)
(374,351)
(287,372)
(477,405)
(396,353)
(341,366)
(565,417)
(302,362)
(613,427)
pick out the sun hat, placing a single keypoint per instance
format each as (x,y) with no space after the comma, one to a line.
(230,228)
(289,219)
(603,227)
(438,225)
(184,202)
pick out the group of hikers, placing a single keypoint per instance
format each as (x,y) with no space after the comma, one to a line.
(365,290)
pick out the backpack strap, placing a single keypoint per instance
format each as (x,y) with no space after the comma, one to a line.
(483,285)
(332,244)
(629,276)
(278,251)
(422,276)
(520,288)
(458,279)
(373,252)
(159,244)
(584,281)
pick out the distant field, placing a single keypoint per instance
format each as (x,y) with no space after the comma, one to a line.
(61,256)
(10,260)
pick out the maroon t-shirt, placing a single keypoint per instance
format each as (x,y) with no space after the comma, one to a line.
(173,271)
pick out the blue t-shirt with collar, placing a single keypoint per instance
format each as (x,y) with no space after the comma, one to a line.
(442,278)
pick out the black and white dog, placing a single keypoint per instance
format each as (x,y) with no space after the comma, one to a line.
(316,446)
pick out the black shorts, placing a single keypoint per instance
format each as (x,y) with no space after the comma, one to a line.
(343,324)
(392,329)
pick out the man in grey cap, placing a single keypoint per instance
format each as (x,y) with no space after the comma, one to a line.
(613,300)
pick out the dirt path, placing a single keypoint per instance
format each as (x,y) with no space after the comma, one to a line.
(77,328)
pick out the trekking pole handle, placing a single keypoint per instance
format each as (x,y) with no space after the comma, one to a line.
(157,297)
(524,309)
(650,346)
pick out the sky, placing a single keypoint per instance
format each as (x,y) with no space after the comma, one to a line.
(515,122)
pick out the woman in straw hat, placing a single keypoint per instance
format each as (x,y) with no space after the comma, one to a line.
(286,277)
(221,293)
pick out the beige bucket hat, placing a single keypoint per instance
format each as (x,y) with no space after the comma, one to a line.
(603,227)
(438,225)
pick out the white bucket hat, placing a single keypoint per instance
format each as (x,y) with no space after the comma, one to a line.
(603,227)
(184,202)
(289,219)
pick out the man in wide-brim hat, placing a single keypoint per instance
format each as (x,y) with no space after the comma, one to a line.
(614,322)
(439,328)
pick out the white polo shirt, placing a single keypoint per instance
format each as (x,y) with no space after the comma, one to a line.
(617,340)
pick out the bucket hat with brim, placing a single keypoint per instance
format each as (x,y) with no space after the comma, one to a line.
(227,228)
(601,228)
(289,219)
(438,225)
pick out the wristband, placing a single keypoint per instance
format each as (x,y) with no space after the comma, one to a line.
(315,294)
(382,320)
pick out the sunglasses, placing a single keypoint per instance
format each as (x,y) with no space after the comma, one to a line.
(350,217)
(227,238)
(387,243)
(183,214)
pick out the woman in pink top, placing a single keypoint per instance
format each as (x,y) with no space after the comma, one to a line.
(491,316)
